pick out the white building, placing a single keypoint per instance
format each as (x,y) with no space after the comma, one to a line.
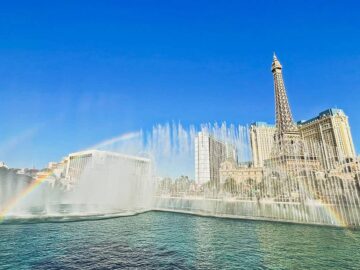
(100,163)
(209,154)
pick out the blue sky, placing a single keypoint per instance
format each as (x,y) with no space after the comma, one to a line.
(73,73)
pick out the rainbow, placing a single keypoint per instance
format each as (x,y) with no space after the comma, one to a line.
(329,208)
(22,194)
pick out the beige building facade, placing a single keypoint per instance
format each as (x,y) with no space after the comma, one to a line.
(262,140)
(231,170)
(329,136)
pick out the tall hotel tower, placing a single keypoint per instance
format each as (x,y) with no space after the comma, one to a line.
(209,154)
(262,141)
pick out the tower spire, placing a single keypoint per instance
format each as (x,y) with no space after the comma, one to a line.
(284,120)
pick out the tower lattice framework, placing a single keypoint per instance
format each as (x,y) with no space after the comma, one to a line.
(284,120)
(289,152)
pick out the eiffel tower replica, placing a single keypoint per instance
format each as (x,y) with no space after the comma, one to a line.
(289,151)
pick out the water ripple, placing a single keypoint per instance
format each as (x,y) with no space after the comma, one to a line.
(156,240)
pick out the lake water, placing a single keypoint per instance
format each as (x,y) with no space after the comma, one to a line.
(160,240)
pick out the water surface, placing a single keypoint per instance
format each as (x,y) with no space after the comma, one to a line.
(159,240)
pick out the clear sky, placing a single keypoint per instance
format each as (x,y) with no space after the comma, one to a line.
(73,73)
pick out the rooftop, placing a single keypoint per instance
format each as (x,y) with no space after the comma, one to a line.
(104,153)
(328,112)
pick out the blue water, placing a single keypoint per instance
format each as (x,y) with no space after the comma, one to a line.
(159,240)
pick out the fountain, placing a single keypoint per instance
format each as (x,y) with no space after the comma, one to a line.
(103,182)
(295,187)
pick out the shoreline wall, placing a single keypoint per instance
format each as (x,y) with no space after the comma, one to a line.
(305,213)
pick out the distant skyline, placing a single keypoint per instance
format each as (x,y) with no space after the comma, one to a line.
(76,73)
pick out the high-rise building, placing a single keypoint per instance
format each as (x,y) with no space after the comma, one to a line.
(262,141)
(330,133)
(209,154)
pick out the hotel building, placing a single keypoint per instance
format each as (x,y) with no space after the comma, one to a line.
(330,133)
(323,143)
(209,154)
(103,164)
(327,135)
(262,140)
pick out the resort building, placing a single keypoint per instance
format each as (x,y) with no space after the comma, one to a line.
(262,141)
(209,154)
(325,140)
(322,145)
(327,136)
(94,162)
(330,133)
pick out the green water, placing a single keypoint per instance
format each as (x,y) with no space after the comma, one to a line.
(157,240)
